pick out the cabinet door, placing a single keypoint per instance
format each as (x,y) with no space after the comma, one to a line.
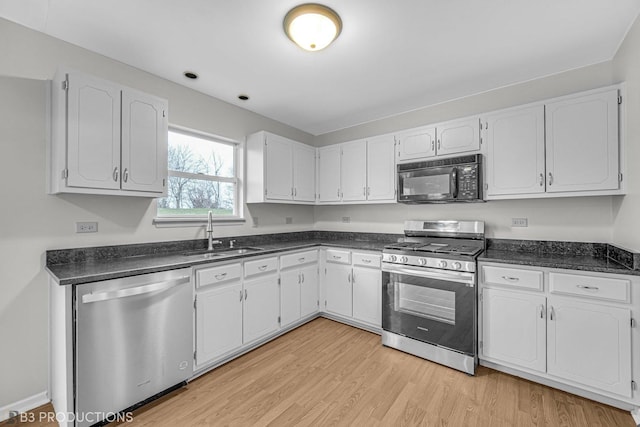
(278,168)
(353,184)
(329,173)
(515,151)
(381,168)
(309,290)
(337,289)
(304,173)
(416,143)
(261,307)
(582,143)
(93,133)
(458,136)
(590,344)
(218,321)
(144,142)
(514,328)
(290,296)
(367,295)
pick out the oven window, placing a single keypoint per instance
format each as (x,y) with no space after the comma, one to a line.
(422,185)
(430,303)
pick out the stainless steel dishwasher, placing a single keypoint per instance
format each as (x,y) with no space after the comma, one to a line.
(134,339)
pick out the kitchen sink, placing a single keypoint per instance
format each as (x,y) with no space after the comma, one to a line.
(220,253)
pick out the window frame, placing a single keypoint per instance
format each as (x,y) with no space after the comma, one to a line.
(236,180)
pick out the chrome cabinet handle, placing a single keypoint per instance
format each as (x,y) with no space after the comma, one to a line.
(552,313)
(125,175)
(349,278)
(511,279)
(301,259)
(245,295)
(262,267)
(338,193)
(541,179)
(439,143)
(220,276)
(433,145)
(337,257)
(368,261)
(364,191)
(240,294)
(542,311)
(353,277)
(550,178)
(588,288)
(295,192)
(302,277)
(115,174)
(368,191)
(299,278)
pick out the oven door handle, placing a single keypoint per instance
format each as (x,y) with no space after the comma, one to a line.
(454,183)
(451,276)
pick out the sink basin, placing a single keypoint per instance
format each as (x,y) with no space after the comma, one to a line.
(219,253)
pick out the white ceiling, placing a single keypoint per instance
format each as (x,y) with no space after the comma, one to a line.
(392,56)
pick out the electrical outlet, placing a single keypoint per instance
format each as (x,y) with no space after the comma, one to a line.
(288,220)
(86,227)
(346,219)
(519,222)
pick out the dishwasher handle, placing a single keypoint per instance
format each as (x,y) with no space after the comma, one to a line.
(140,290)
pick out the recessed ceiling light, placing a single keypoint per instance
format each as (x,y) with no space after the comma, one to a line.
(190,75)
(243,97)
(312,26)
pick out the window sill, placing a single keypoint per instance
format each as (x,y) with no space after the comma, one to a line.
(169,222)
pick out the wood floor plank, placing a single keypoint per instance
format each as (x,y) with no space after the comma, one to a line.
(329,374)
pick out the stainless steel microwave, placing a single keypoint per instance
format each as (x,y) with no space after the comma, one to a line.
(457,179)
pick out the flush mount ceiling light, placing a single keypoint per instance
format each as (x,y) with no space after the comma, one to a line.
(312,26)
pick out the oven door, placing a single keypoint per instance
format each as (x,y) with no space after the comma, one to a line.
(428,184)
(430,305)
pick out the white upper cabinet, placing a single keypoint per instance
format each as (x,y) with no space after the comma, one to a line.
(329,174)
(417,143)
(563,147)
(106,138)
(458,136)
(354,171)
(358,171)
(304,173)
(280,170)
(381,168)
(582,143)
(515,151)
(144,142)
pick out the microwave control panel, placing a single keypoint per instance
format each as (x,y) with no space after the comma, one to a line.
(468,182)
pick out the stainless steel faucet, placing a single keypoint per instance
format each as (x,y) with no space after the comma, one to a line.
(210,232)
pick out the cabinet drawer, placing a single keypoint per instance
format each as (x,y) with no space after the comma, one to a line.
(366,260)
(300,258)
(590,286)
(338,256)
(213,275)
(515,277)
(260,266)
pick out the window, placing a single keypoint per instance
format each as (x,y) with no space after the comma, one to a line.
(202,177)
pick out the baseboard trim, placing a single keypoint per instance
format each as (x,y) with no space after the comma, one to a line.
(636,416)
(24,405)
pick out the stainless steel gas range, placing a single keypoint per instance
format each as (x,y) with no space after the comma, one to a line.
(429,295)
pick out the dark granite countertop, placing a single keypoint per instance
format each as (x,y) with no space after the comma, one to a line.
(596,257)
(84,265)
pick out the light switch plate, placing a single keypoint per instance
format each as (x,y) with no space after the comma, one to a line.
(288,220)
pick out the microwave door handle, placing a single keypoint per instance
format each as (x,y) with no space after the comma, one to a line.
(454,183)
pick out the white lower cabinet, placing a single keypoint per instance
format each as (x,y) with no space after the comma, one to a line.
(352,285)
(574,329)
(298,286)
(514,328)
(261,307)
(590,344)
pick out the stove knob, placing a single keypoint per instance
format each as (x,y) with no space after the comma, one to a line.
(456,266)
(422,261)
(393,258)
(404,260)
(442,264)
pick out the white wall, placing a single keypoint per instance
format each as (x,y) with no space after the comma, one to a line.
(32,221)
(626,211)
(587,219)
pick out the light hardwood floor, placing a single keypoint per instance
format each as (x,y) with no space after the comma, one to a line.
(325,373)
